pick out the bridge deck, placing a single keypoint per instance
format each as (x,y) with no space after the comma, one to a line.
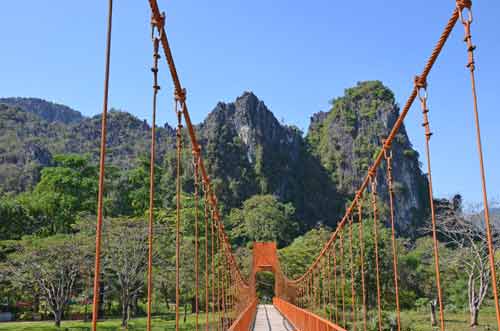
(269,318)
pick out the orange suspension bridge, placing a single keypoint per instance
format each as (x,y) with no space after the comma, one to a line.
(329,295)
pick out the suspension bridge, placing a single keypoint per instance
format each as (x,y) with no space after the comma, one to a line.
(329,295)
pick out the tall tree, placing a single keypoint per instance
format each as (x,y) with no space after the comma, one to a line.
(125,260)
(65,189)
(264,218)
(466,233)
(52,265)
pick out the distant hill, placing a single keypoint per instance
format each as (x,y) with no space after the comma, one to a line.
(49,111)
(28,142)
(246,149)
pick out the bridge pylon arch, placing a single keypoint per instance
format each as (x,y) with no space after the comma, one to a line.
(265,258)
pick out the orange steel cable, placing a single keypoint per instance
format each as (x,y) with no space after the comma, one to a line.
(388,159)
(324,288)
(317,294)
(213,265)
(178,216)
(461,5)
(303,295)
(224,266)
(319,286)
(311,291)
(328,280)
(329,284)
(335,290)
(98,236)
(342,278)
(205,195)
(422,86)
(219,276)
(375,242)
(362,257)
(156,88)
(353,290)
(196,158)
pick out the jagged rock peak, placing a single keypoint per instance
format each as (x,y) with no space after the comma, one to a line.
(348,137)
(247,102)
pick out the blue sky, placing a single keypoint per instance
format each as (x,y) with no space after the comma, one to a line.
(294,55)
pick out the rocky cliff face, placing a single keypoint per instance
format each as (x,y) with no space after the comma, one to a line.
(48,111)
(28,142)
(249,152)
(128,138)
(347,138)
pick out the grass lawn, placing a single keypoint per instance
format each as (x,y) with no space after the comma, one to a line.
(410,320)
(107,325)
(453,321)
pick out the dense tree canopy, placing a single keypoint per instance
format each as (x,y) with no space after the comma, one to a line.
(264,218)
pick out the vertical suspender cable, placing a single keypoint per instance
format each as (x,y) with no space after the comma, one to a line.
(196,160)
(342,277)
(329,284)
(462,4)
(335,290)
(362,257)
(213,266)
(422,86)
(353,288)
(156,87)
(178,216)
(388,158)
(373,181)
(207,298)
(218,274)
(95,302)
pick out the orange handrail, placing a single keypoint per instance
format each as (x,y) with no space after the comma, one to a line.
(302,319)
(245,319)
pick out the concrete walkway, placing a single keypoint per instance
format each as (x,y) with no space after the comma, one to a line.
(269,318)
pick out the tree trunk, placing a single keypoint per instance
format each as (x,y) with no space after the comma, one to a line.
(474,316)
(164,292)
(36,303)
(86,312)
(193,305)
(57,318)
(433,304)
(124,313)
(185,312)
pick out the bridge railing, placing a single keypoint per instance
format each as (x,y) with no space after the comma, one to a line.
(245,319)
(303,320)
